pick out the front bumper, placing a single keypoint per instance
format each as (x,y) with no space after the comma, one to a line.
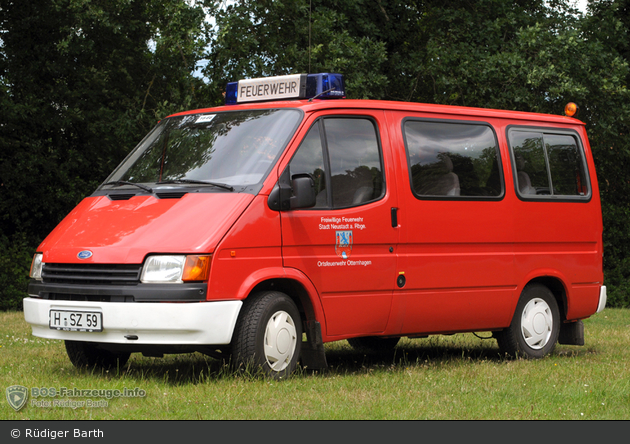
(192,323)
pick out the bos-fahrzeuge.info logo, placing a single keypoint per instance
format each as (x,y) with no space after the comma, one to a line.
(17,395)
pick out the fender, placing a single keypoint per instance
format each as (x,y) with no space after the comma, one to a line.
(556,275)
(266,274)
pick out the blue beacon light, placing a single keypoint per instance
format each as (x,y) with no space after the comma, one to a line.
(297,86)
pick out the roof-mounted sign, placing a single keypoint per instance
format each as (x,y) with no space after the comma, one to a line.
(295,86)
(271,88)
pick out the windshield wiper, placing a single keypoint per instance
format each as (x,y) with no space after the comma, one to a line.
(124,182)
(201,182)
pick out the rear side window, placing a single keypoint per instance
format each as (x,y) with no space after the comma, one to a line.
(453,160)
(548,164)
(343,156)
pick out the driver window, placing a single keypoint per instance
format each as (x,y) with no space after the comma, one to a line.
(355,161)
(309,159)
(348,148)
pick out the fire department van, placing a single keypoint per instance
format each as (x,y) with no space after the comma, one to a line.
(292,217)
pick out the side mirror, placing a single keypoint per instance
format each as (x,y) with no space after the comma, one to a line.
(304,195)
(292,194)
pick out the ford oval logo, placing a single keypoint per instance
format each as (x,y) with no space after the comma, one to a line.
(85,254)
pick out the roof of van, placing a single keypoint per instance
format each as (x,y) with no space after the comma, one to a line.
(317,105)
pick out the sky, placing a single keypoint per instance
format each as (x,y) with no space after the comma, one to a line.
(581,5)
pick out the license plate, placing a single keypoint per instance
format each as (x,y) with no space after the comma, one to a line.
(72,320)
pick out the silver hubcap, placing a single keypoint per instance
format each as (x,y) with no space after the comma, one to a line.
(536,323)
(280,340)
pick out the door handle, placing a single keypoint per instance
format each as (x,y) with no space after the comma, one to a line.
(394,217)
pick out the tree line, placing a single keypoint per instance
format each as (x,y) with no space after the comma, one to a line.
(82,81)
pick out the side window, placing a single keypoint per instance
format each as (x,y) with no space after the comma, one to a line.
(452,159)
(548,164)
(309,159)
(355,162)
(343,156)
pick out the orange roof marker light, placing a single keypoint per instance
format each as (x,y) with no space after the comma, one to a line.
(571,109)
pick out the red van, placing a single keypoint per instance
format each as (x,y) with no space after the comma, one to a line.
(292,217)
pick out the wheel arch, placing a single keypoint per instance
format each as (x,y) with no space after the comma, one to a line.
(557,287)
(292,288)
(291,282)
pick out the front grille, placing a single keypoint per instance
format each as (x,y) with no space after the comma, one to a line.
(91,274)
(88,298)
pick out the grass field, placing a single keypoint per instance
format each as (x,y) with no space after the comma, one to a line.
(442,377)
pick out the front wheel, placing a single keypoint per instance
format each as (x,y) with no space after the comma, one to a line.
(535,326)
(268,334)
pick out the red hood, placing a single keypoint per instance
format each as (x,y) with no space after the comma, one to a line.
(126,231)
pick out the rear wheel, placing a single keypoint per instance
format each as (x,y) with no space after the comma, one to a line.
(88,355)
(373,344)
(268,334)
(535,326)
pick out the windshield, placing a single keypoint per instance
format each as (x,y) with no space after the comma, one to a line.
(231,148)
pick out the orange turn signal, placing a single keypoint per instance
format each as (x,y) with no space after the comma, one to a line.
(571,109)
(197,268)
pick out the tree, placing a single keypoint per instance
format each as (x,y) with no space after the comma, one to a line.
(81,82)
(608,26)
(387,49)
(261,38)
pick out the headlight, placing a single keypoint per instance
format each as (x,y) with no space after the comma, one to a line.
(166,269)
(36,266)
(173,269)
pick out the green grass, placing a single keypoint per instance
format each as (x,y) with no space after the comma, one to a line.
(442,377)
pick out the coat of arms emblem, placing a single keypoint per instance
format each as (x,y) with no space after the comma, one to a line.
(17,395)
(343,245)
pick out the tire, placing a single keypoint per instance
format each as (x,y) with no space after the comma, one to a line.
(535,326)
(268,335)
(373,344)
(88,355)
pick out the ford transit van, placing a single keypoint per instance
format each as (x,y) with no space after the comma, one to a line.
(292,217)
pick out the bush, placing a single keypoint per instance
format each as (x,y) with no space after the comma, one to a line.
(16,254)
(617,254)
(618,285)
